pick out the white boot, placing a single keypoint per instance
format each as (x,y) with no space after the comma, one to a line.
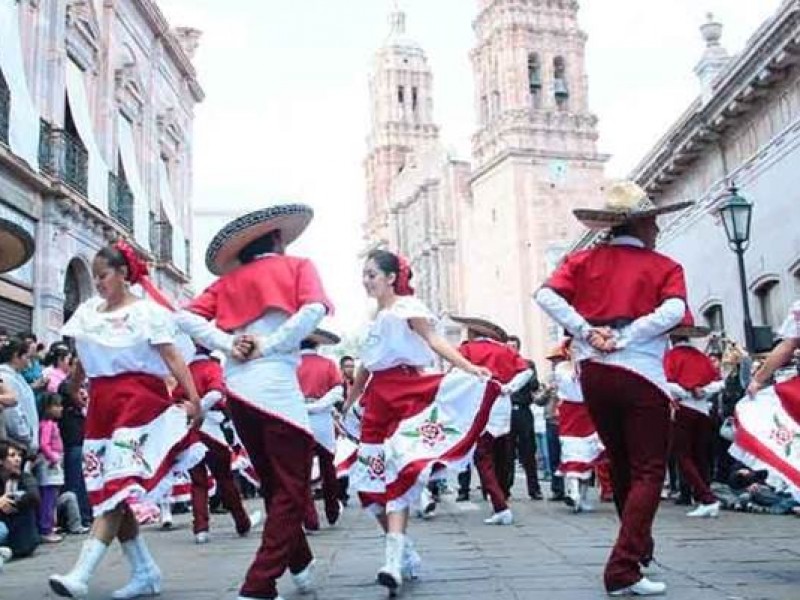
(390,574)
(145,574)
(412,562)
(705,511)
(304,580)
(166,515)
(573,490)
(75,584)
(585,505)
(504,517)
(643,587)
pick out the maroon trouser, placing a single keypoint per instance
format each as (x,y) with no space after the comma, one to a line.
(281,455)
(691,444)
(632,416)
(484,462)
(330,490)
(218,461)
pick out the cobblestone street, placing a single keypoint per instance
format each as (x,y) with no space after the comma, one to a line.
(548,554)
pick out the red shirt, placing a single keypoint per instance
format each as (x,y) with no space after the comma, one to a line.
(207,376)
(284,283)
(502,361)
(317,375)
(617,283)
(689,368)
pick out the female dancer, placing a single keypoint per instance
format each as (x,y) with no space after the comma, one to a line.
(413,423)
(767,426)
(136,438)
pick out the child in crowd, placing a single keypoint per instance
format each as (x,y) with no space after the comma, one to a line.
(50,469)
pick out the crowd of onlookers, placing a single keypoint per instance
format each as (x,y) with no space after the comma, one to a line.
(42,491)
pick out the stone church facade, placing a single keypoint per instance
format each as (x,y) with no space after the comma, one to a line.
(482,237)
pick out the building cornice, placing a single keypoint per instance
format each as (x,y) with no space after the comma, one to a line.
(585,157)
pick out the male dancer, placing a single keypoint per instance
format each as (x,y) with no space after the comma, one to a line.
(618,301)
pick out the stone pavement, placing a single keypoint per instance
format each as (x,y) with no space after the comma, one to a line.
(549,554)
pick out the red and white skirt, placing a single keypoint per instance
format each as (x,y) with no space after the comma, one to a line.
(412,425)
(768,434)
(137,442)
(581,448)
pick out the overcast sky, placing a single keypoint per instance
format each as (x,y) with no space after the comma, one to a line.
(286,112)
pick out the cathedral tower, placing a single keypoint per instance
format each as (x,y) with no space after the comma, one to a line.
(401,94)
(535,157)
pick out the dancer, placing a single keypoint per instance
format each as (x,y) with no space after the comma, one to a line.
(767,423)
(208,379)
(486,346)
(321,384)
(693,379)
(135,436)
(580,445)
(618,301)
(264,304)
(413,423)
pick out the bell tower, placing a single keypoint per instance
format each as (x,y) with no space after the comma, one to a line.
(535,156)
(401,99)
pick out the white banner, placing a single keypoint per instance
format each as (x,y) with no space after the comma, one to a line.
(79,107)
(141,203)
(23,127)
(168,202)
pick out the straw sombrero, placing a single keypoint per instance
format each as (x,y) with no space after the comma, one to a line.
(690,331)
(223,251)
(483,326)
(625,201)
(323,337)
(16,246)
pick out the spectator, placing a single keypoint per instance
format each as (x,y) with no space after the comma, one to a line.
(19,501)
(56,366)
(736,370)
(75,400)
(8,400)
(547,399)
(69,514)
(50,466)
(33,372)
(22,421)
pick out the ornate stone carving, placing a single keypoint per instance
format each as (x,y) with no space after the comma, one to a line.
(83,33)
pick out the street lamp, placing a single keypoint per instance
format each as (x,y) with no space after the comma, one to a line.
(737,215)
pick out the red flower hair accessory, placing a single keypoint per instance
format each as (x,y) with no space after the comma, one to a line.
(137,268)
(402,286)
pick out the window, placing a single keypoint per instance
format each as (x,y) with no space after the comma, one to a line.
(5,107)
(796,278)
(484,109)
(714,318)
(535,80)
(768,297)
(414,99)
(560,89)
(401,94)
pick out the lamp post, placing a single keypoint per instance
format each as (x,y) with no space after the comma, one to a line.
(736,213)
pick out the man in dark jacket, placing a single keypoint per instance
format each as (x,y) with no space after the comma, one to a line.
(522,437)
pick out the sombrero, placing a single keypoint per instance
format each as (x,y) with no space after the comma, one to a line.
(223,251)
(16,246)
(482,326)
(690,331)
(323,337)
(625,201)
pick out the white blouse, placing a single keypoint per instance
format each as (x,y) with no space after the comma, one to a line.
(391,342)
(791,326)
(124,340)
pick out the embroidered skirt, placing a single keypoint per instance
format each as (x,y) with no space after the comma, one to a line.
(581,448)
(137,442)
(413,425)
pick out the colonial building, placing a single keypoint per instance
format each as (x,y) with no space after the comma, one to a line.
(482,238)
(96,111)
(743,130)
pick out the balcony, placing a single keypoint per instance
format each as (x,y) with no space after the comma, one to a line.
(120,202)
(161,239)
(5,108)
(63,156)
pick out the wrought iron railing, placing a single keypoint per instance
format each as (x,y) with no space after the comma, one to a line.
(63,156)
(161,240)
(5,109)
(120,201)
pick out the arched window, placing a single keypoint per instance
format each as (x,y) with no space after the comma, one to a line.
(535,79)
(484,109)
(714,318)
(5,107)
(560,88)
(769,303)
(401,95)
(414,99)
